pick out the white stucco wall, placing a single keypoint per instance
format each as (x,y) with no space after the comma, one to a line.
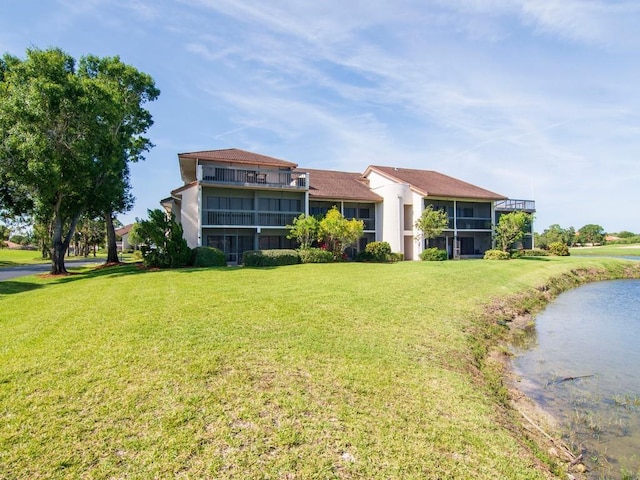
(395,196)
(418,207)
(190,216)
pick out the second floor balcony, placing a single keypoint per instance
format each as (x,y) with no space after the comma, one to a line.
(247,218)
(253,177)
(473,223)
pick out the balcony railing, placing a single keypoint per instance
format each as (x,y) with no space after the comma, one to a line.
(473,223)
(511,205)
(257,177)
(248,219)
(369,223)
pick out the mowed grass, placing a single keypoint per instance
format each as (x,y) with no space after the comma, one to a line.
(302,372)
(608,250)
(12,258)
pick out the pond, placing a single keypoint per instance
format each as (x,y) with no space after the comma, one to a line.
(582,364)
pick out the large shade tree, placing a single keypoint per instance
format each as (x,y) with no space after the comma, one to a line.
(120,139)
(591,234)
(67,135)
(555,233)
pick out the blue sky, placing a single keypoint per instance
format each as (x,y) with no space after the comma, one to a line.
(528,98)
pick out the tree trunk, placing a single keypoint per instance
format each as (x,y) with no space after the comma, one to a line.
(112,248)
(57,249)
(61,245)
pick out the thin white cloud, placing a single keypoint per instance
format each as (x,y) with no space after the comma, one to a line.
(603,23)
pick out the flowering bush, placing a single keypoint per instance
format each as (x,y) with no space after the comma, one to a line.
(496,255)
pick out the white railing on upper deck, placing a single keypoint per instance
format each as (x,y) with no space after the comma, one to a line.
(516,205)
(255,177)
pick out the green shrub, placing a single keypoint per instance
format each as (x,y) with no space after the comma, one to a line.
(496,255)
(270,258)
(169,248)
(395,257)
(558,248)
(137,255)
(208,257)
(378,250)
(536,252)
(433,255)
(364,256)
(315,255)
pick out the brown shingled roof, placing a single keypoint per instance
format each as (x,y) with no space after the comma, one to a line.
(124,230)
(235,155)
(434,184)
(334,185)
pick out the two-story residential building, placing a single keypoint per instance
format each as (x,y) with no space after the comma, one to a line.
(236,201)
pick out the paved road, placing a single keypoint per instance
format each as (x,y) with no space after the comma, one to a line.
(24,270)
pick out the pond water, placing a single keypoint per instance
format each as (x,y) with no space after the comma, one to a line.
(582,364)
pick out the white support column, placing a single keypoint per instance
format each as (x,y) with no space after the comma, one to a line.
(455,228)
(200,209)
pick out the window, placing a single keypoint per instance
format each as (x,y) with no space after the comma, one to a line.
(229,203)
(320,211)
(280,204)
(350,213)
(275,242)
(364,213)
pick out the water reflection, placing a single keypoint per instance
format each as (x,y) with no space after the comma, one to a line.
(582,363)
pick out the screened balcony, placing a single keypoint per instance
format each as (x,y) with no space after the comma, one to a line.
(253,177)
(247,219)
(473,223)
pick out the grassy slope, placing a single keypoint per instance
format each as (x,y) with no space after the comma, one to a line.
(609,250)
(308,371)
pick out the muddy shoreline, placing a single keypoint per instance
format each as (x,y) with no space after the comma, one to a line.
(516,314)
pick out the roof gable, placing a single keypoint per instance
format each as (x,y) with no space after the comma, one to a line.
(235,155)
(188,161)
(434,184)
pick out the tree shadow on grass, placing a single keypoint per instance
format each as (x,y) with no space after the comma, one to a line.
(8,287)
(537,259)
(46,280)
(114,270)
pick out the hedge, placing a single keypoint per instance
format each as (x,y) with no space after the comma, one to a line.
(315,255)
(208,257)
(433,255)
(270,258)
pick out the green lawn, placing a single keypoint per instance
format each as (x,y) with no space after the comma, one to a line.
(302,372)
(12,258)
(608,250)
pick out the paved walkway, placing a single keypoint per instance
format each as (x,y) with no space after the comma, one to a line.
(7,273)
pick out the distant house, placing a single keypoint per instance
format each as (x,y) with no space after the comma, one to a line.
(237,200)
(123,233)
